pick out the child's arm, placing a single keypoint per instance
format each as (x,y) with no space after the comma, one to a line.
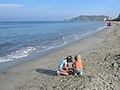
(73,65)
(66,67)
(81,66)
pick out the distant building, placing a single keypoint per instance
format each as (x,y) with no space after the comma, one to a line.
(105,19)
(109,18)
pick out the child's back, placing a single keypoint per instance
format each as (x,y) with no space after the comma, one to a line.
(77,65)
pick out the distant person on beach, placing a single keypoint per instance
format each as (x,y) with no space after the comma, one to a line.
(77,65)
(63,66)
(109,24)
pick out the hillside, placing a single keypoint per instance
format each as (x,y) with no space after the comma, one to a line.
(89,18)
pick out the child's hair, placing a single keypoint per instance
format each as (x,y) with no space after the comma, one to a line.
(77,57)
(69,59)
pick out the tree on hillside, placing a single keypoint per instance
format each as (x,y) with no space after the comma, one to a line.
(117,19)
(119,16)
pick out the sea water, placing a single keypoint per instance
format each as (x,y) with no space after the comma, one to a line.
(20,39)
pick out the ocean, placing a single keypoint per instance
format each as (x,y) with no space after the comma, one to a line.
(21,40)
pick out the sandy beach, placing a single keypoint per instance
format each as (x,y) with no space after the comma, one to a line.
(101,61)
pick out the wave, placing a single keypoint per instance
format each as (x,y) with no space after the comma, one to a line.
(86,34)
(46,48)
(5,44)
(67,39)
(101,28)
(58,42)
(51,47)
(92,32)
(18,54)
(75,36)
(65,42)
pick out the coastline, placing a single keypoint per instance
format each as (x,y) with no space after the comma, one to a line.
(40,74)
(22,55)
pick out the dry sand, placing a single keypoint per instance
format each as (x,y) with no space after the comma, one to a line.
(101,61)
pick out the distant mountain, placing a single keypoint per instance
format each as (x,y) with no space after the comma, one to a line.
(89,18)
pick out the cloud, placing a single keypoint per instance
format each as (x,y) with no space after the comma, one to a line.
(10,5)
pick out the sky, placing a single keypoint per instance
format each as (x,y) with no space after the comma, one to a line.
(55,10)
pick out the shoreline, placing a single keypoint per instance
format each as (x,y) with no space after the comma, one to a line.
(33,56)
(40,74)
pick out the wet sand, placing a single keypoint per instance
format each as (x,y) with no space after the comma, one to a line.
(101,61)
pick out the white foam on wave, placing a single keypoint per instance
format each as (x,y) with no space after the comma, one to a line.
(75,36)
(67,39)
(86,34)
(18,54)
(101,28)
(64,40)
(91,32)
(46,48)
(51,47)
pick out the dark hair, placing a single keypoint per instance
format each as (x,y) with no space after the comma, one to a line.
(69,59)
(75,57)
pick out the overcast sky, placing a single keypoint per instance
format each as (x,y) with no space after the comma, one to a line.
(46,10)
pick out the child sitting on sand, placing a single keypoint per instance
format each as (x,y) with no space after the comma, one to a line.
(63,66)
(77,65)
